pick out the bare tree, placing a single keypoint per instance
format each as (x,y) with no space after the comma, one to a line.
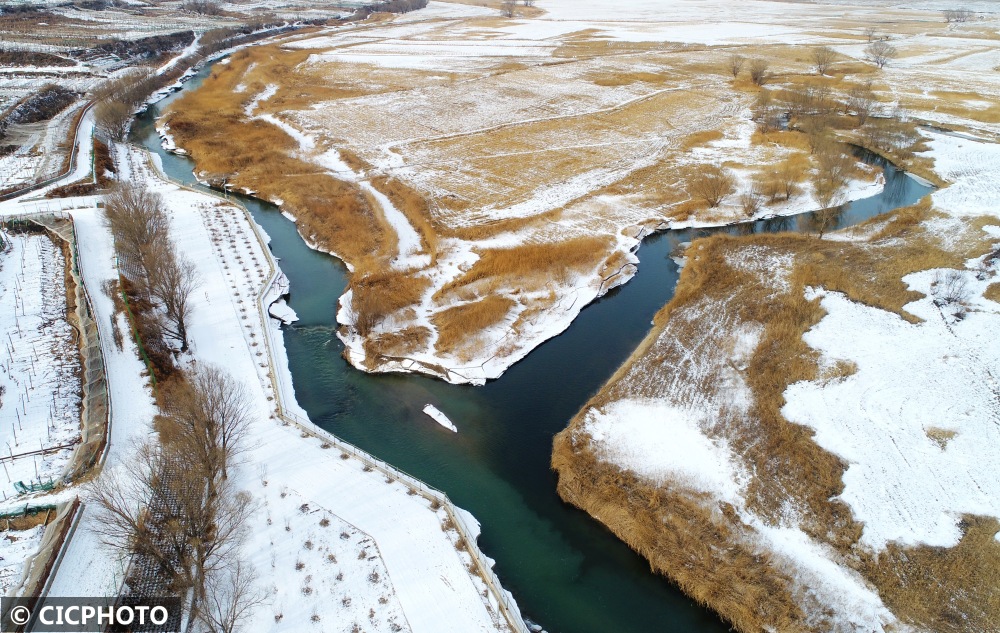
(137,219)
(736,63)
(711,184)
(529,3)
(863,103)
(835,169)
(823,57)
(880,52)
(766,113)
(210,417)
(958,15)
(123,496)
(871,34)
(819,222)
(171,282)
(508,8)
(113,119)
(759,71)
(751,201)
(231,594)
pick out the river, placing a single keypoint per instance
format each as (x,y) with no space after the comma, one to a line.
(566,571)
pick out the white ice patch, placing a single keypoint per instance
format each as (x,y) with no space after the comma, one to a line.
(283,312)
(662,442)
(440,418)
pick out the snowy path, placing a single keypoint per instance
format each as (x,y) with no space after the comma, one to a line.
(88,568)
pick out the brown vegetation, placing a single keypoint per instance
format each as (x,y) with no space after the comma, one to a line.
(211,125)
(456,324)
(681,537)
(533,265)
(711,184)
(993,292)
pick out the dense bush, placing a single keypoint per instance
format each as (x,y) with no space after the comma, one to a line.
(43,105)
(146,47)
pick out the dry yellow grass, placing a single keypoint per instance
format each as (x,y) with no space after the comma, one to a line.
(948,590)
(456,325)
(258,155)
(993,292)
(531,265)
(681,538)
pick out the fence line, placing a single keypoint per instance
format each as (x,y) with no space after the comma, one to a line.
(500,597)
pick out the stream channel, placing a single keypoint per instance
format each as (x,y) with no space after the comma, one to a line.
(565,570)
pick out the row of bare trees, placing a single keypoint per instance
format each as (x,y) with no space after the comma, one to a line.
(138,220)
(172,508)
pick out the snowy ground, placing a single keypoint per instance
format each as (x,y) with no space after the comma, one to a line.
(15,548)
(39,372)
(922,449)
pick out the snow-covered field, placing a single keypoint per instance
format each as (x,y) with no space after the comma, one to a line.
(39,372)
(919,422)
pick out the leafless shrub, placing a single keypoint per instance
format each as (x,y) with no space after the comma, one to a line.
(880,52)
(958,15)
(819,222)
(736,63)
(751,201)
(834,172)
(759,71)
(863,103)
(766,113)
(950,287)
(508,8)
(823,57)
(204,7)
(711,184)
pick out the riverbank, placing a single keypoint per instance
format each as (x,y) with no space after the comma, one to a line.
(731,439)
